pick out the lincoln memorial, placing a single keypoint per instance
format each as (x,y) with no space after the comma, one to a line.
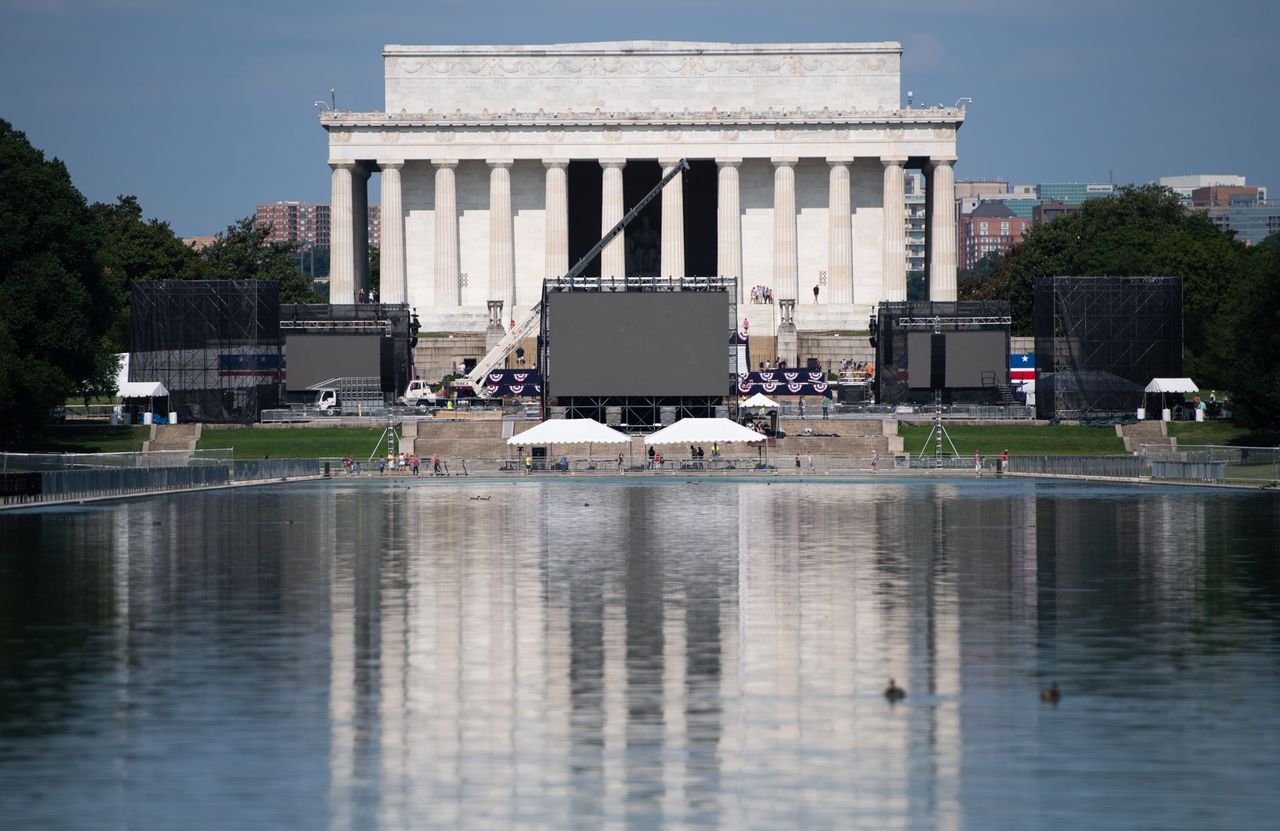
(502,165)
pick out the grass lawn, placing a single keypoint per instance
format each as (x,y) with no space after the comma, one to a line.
(1221,432)
(1020,440)
(293,442)
(84,438)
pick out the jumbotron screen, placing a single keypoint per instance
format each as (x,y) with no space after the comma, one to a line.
(638,343)
(314,359)
(969,355)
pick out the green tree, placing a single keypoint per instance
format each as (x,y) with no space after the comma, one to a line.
(242,252)
(1141,232)
(56,308)
(135,250)
(1246,338)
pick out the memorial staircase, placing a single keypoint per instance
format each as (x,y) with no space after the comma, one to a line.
(1149,433)
(173,437)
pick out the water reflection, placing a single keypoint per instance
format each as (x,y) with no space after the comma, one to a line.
(631,654)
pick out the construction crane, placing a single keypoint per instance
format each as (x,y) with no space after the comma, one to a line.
(528,324)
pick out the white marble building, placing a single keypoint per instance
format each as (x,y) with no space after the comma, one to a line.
(809,143)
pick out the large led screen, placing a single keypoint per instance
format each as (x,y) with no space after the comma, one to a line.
(313,359)
(970,355)
(638,343)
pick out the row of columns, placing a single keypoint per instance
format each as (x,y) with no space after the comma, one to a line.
(349,255)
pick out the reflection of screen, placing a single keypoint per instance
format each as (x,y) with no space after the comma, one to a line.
(970,357)
(313,359)
(638,343)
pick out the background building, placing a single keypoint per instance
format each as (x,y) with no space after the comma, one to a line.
(306,224)
(992,229)
(1185,186)
(915,227)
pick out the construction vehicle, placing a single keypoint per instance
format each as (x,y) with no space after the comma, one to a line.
(347,393)
(418,394)
(526,326)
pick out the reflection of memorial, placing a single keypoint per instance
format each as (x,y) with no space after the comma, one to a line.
(600,661)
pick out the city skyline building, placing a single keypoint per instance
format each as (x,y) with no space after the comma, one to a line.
(307,224)
(991,230)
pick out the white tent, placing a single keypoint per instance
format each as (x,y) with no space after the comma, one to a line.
(569,431)
(1163,385)
(761,400)
(136,389)
(704,431)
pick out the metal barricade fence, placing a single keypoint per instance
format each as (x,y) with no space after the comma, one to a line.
(1244,465)
(1120,467)
(248,470)
(81,484)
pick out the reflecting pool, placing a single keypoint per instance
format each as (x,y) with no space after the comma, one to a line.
(643,653)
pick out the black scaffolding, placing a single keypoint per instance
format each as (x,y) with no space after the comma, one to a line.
(214,344)
(1100,340)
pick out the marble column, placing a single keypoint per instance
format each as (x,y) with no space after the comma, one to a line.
(672,221)
(613,260)
(448,290)
(557,217)
(360,225)
(729,225)
(840,241)
(895,232)
(391,265)
(502,273)
(786,270)
(342,272)
(942,229)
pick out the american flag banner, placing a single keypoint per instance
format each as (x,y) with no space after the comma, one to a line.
(1022,368)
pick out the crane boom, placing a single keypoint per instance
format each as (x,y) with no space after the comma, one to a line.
(526,325)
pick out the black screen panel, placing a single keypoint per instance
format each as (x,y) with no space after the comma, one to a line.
(976,359)
(313,359)
(638,343)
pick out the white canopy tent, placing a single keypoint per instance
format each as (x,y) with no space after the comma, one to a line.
(555,431)
(704,431)
(1163,385)
(761,400)
(136,389)
(570,431)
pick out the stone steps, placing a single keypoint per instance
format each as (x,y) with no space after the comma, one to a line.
(173,437)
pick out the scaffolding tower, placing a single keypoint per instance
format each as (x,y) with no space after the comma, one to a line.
(1099,340)
(214,344)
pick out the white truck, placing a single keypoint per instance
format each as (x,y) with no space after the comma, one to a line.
(418,394)
(350,394)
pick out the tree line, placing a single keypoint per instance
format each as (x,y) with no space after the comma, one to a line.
(67,269)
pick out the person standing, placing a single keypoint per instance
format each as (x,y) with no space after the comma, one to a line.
(417,464)
(826,407)
(815,294)
(1004,461)
(435,464)
(621,468)
(802,408)
(528,465)
(977,464)
(808,463)
(875,460)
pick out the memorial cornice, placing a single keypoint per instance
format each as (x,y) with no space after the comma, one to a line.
(933,117)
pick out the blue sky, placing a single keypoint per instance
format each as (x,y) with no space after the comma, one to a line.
(204,109)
